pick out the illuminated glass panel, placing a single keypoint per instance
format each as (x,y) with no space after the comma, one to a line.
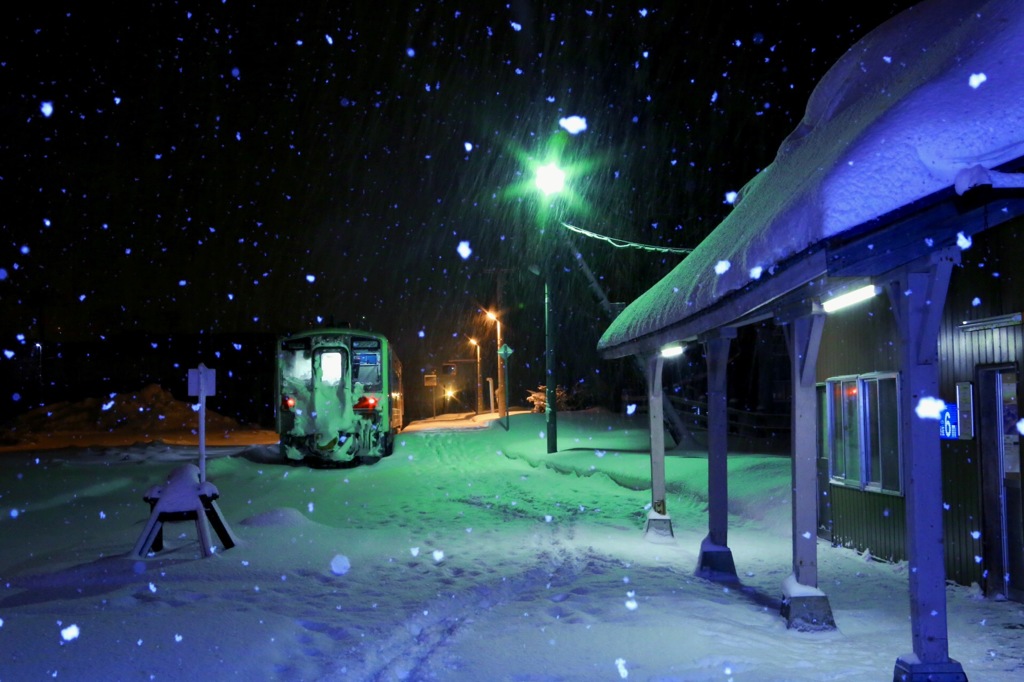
(296,365)
(331,369)
(862,431)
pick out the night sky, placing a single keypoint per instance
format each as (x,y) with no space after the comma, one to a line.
(264,167)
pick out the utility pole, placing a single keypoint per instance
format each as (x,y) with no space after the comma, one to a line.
(675,422)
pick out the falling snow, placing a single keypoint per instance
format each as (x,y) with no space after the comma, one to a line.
(234,173)
(929,408)
(573,124)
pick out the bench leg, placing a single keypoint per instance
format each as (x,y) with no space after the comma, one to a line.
(150,535)
(203,529)
(220,526)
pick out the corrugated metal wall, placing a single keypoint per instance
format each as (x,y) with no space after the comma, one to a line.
(864,340)
(961,497)
(986,285)
(858,340)
(869,521)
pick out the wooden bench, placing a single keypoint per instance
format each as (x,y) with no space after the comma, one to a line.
(184,497)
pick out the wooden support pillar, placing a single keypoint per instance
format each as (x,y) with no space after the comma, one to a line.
(715,562)
(917,300)
(804,606)
(659,523)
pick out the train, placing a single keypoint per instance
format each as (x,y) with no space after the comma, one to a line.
(339,396)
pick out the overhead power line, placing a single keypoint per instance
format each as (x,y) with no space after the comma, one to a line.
(622,243)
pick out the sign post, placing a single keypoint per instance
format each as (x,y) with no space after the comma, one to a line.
(430,381)
(202,382)
(186,494)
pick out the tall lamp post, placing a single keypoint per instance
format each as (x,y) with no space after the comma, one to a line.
(479,384)
(502,407)
(550,179)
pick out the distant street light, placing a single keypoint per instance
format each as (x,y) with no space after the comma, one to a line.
(39,355)
(479,384)
(502,406)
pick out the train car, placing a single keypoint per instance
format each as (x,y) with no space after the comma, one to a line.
(339,396)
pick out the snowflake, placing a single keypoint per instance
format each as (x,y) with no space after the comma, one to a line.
(929,408)
(573,124)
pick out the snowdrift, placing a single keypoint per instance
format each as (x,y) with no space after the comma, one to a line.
(148,415)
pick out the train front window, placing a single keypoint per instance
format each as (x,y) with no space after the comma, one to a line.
(366,371)
(296,366)
(331,367)
(367,368)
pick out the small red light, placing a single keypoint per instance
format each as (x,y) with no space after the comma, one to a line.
(288,402)
(366,402)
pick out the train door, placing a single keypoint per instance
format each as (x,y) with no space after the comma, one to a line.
(1003,513)
(313,396)
(330,392)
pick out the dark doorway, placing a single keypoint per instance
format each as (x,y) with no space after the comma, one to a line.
(1003,514)
(824,497)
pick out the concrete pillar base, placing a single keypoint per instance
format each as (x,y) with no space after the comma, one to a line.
(715,563)
(808,613)
(915,671)
(659,527)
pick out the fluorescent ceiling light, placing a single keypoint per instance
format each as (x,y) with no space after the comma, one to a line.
(671,351)
(991,323)
(849,298)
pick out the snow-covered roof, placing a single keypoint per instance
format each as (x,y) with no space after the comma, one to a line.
(935,90)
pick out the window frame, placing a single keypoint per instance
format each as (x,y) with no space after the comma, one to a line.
(871,475)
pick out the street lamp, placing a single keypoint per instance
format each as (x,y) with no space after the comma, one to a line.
(502,407)
(479,384)
(550,179)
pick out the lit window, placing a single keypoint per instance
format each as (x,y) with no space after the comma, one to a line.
(862,419)
(330,368)
(296,365)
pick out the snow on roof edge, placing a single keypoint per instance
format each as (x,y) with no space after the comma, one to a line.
(870,133)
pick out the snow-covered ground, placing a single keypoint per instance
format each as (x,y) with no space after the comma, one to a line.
(470,554)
